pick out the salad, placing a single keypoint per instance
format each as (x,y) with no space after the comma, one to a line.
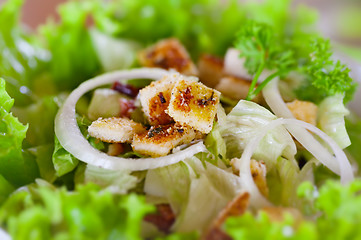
(175,120)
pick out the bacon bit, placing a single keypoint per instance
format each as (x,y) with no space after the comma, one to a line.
(163,219)
(234,208)
(126,107)
(125,89)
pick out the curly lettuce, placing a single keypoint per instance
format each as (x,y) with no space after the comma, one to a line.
(44,212)
(241,124)
(16,166)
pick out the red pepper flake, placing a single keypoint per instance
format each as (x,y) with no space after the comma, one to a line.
(125,89)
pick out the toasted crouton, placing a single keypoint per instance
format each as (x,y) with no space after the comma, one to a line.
(193,104)
(258,171)
(210,69)
(303,110)
(155,99)
(168,54)
(236,88)
(160,140)
(114,130)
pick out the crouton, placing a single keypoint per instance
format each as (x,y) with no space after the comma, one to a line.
(155,99)
(236,88)
(160,140)
(114,130)
(210,69)
(258,171)
(303,110)
(168,54)
(193,104)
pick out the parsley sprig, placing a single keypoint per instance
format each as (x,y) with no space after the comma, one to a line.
(265,49)
(329,77)
(262,50)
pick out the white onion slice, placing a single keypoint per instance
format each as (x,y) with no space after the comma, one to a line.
(346,173)
(70,137)
(257,200)
(243,164)
(275,102)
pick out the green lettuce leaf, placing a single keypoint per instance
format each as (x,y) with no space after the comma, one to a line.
(193,187)
(284,179)
(203,26)
(116,181)
(335,205)
(113,53)
(6,189)
(242,123)
(73,56)
(43,157)
(40,117)
(331,114)
(248,226)
(16,167)
(353,126)
(21,59)
(331,205)
(45,212)
(63,161)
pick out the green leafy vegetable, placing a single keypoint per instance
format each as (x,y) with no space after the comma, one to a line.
(331,113)
(21,58)
(5,189)
(334,205)
(119,182)
(261,227)
(353,126)
(63,161)
(203,26)
(262,50)
(73,56)
(40,116)
(16,167)
(44,212)
(242,123)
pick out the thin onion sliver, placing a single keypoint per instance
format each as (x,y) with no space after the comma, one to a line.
(275,102)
